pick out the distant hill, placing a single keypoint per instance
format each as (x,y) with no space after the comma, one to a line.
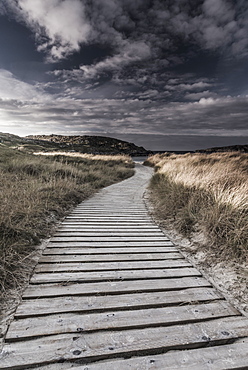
(89,144)
(25,144)
(231,148)
(82,144)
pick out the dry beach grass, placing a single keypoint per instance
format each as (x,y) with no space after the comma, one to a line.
(201,202)
(36,192)
(206,193)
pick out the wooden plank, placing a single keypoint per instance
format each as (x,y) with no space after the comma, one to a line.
(101,250)
(109,218)
(107,344)
(230,356)
(110,243)
(109,223)
(113,275)
(114,224)
(104,238)
(111,213)
(109,234)
(102,228)
(70,304)
(117,320)
(99,206)
(114,221)
(103,212)
(110,257)
(99,266)
(114,287)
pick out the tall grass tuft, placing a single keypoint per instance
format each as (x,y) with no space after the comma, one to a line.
(37,191)
(206,193)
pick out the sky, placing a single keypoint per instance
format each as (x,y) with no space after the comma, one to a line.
(164,74)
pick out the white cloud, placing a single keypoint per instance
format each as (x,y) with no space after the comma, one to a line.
(60,26)
(130,52)
(199,95)
(207,101)
(12,88)
(194,86)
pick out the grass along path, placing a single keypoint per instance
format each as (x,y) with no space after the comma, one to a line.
(201,201)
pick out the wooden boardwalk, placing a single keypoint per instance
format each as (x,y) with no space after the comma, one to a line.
(112,292)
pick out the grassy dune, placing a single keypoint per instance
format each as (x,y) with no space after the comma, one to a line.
(37,191)
(206,193)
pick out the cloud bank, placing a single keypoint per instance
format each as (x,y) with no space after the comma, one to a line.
(62,26)
(123,66)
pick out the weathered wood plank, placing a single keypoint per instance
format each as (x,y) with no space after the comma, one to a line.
(104,213)
(224,357)
(118,215)
(113,275)
(110,257)
(117,320)
(101,250)
(114,221)
(102,228)
(96,226)
(100,345)
(108,223)
(114,287)
(43,306)
(109,234)
(107,206)
(130,265)
(110,243)
(107,239)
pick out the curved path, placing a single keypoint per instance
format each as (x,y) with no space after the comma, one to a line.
(112,292)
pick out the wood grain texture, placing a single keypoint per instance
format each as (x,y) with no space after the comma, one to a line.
(103,249)
(229,356)
(113,287)
(100,266)
(113,275)
(109,257)
(106,344)
(45,306)
(117,320)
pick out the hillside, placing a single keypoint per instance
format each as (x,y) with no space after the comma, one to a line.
(90,144)
(82,144)
(25,144)
(231,148)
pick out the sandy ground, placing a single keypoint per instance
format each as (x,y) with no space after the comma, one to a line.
(13,298)
(229,276)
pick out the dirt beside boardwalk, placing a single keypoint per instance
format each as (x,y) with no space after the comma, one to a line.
(229,276)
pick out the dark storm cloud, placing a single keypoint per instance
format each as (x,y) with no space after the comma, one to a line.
(124,66)
(150,27)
